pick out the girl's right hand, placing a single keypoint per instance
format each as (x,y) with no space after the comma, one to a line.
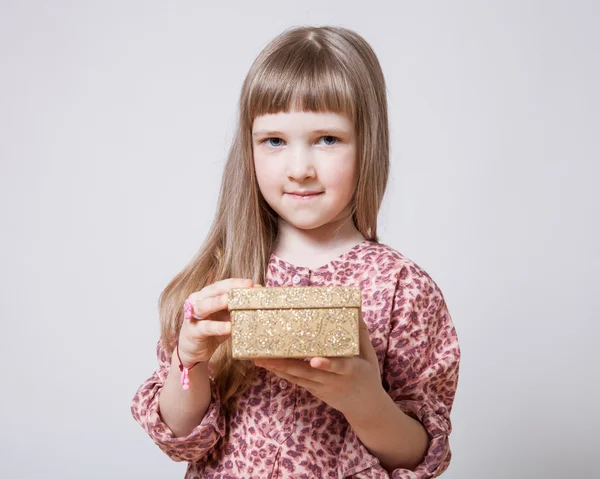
(199,338)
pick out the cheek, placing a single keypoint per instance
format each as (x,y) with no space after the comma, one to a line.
(343,180)
(342,170)
(266,176)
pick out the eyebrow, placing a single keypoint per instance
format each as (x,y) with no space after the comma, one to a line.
(321,131)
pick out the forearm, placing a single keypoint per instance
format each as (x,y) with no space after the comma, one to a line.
(396,439)
(182,410)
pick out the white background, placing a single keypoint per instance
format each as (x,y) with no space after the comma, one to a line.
(115,120)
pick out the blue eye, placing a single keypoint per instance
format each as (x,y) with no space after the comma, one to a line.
(277,142)
(329,140)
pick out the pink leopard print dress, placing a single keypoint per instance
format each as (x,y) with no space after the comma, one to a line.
(280,430)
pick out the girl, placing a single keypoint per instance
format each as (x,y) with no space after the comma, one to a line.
(298,206)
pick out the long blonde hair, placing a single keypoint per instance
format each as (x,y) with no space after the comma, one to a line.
(312,69)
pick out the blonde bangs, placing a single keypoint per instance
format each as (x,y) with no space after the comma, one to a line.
(304,80)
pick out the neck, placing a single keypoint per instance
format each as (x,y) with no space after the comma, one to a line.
(332,238)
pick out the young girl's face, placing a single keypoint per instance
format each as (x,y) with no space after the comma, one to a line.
(305,164)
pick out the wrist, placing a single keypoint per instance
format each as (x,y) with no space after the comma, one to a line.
(187,368)
(185,357)
(369,417)
(187,362)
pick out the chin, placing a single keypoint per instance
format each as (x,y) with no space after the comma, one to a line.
(305,224)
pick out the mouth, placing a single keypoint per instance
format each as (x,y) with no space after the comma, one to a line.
(304,196)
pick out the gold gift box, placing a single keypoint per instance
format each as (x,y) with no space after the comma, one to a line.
(294,322)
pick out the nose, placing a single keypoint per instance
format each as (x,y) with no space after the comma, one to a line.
(300,164)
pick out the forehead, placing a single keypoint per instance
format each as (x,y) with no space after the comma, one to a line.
(295,120)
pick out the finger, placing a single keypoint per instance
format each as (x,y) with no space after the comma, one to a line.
(208,328)
(294,367)
(341,366)
(203,308)
(221,287)
(366,347)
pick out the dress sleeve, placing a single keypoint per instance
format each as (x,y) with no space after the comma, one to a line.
(144,407)
(421,365)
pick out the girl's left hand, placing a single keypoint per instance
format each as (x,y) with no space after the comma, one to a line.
(346,384)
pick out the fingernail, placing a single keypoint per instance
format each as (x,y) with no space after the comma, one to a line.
(188,309)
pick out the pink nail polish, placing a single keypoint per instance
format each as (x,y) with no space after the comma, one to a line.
(188,309)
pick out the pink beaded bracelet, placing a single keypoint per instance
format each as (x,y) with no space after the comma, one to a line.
(188,313)
(185,380)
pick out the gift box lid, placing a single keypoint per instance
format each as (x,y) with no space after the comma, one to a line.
(286,297)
